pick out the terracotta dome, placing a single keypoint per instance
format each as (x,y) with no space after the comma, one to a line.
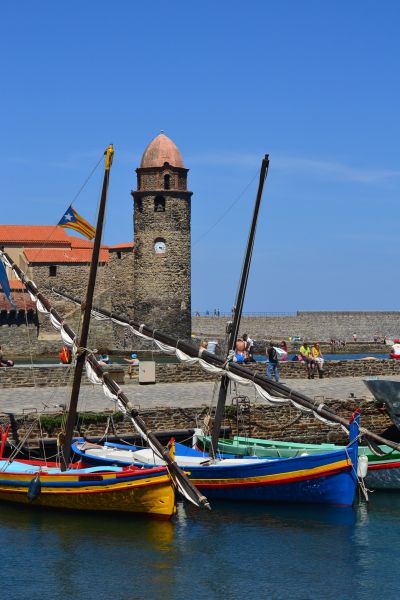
(161,150)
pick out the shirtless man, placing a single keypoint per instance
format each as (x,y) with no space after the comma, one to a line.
(240,350)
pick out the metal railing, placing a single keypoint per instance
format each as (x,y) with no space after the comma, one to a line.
(227,314)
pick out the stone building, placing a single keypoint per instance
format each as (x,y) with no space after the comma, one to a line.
(147,280)
(162,273)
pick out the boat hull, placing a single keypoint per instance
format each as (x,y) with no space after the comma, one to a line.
(149,492)
(328,478)
(241,446)
(312,479)
(383,472)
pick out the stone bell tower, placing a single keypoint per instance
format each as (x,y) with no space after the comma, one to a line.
(161,222)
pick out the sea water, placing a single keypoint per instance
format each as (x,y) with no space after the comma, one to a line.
(261,358)
(233,552)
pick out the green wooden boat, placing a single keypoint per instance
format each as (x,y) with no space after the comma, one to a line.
(244,446)
(383,471)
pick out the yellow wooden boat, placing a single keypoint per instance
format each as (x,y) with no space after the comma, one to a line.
(112,489)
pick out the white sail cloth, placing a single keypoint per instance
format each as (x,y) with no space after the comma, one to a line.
(182,356)
(190,360)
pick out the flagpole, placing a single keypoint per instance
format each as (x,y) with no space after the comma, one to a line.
(87,308)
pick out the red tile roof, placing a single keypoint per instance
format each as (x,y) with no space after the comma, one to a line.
(80,242)
(62,255)
(16,284)
(122,246)
(33,234)
(21,300)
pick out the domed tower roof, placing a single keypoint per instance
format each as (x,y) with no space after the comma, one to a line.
(161,150)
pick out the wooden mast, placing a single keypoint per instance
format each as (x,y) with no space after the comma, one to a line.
(238,308)
(87,308)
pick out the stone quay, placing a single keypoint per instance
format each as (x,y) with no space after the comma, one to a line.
(167,406)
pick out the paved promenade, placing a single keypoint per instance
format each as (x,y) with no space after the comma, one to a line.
(184,395)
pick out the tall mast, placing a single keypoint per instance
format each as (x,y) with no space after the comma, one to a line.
(238,308)
(87,308)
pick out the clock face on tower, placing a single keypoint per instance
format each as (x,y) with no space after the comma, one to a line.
(160,247)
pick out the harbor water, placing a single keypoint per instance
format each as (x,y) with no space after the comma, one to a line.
(231,552)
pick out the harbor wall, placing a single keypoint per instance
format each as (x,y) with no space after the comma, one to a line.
(319,325)
(285,423)
(59,375)
(19,338)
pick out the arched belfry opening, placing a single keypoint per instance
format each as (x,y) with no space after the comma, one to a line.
(167,181)
(159,204)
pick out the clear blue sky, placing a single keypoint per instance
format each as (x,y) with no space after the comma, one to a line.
(312,83)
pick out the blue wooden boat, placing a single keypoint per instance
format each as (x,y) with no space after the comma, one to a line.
(326,478)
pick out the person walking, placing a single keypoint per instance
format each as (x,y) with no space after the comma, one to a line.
(272,367)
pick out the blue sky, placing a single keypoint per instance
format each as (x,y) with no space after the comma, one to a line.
(314,84)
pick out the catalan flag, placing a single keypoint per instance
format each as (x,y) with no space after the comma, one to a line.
(73,220)
(5,284)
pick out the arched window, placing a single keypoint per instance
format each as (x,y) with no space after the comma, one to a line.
(167,182)
(159,204)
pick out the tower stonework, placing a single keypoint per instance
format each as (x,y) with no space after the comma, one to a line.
(162,252)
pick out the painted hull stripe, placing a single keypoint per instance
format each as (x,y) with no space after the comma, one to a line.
(280,478)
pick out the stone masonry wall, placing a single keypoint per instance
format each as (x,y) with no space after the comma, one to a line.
(113,292)
(162,281)
(312,325)
(285,423)
(28,376)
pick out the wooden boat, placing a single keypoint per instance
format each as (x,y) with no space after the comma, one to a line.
(329,478)
(245,446)
(106,489)
(383,469)
(145,491)
(325,478)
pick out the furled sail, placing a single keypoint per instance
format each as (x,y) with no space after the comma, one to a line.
(274,393)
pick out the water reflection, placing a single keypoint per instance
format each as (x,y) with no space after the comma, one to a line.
(272,515)
(257,551)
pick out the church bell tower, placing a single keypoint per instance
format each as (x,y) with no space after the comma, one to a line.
(161,222)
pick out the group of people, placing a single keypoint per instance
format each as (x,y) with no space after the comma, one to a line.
(310,355)
(337,343)
(313,358)
(244,349)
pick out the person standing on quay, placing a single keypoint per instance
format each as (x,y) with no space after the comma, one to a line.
(272,363)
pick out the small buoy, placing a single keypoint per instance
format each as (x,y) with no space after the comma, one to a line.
(362,466)
(34,489)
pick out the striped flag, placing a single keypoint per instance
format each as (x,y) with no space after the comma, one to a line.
(73,220)
(5,284)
